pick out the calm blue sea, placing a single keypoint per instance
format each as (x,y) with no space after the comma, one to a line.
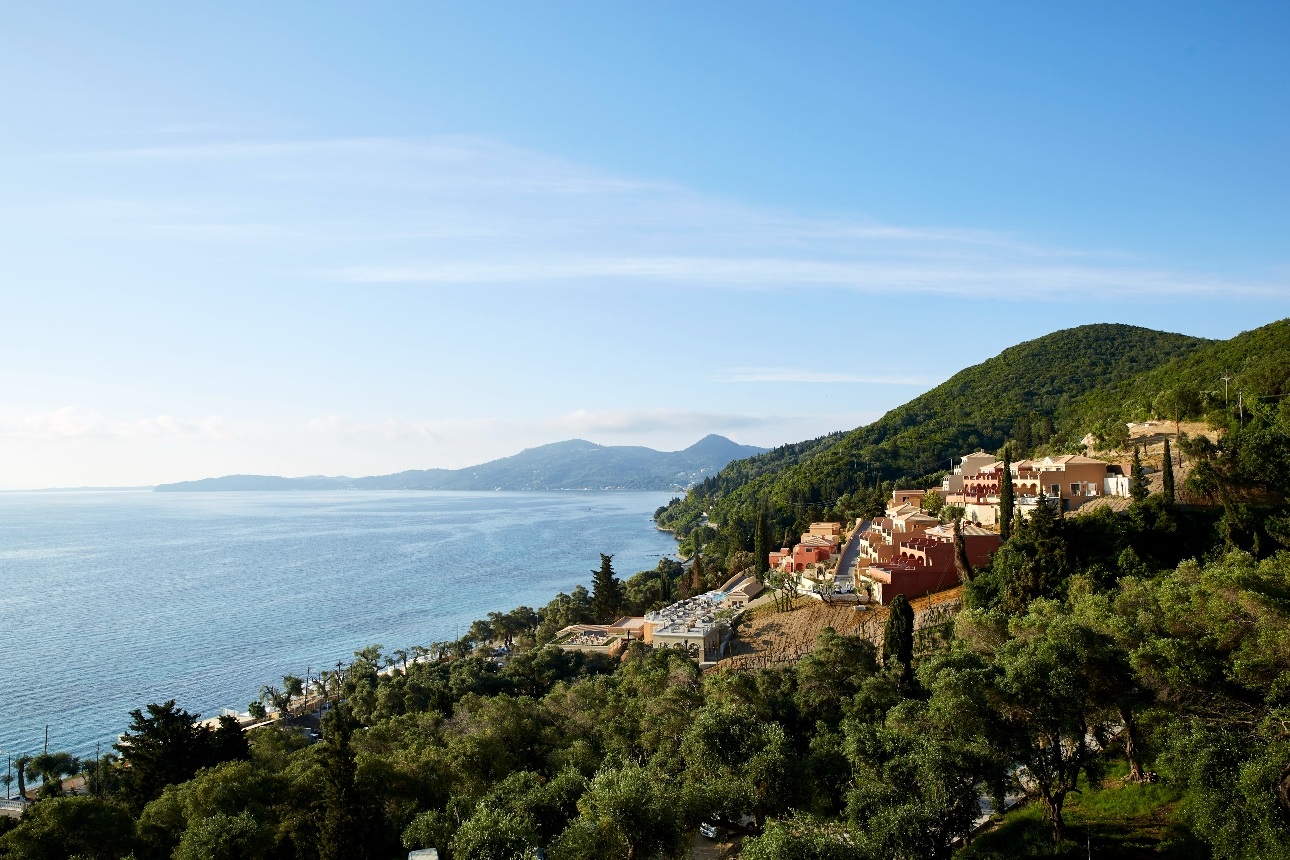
(110,600)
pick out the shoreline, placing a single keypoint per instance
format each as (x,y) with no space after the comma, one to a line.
(413,573)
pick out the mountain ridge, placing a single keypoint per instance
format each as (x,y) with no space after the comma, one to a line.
(572,464)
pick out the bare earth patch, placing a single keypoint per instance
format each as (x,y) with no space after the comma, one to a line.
(769,638)
(1150,438)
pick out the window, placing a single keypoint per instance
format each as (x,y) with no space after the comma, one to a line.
(1075,490)
(1056,490)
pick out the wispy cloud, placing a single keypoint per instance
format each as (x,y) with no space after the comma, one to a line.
(549,428)
(463,211)
(632,422)
(75,446)
(70,422)
(789,374)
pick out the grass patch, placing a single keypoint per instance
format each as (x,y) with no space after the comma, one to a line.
(1116,821)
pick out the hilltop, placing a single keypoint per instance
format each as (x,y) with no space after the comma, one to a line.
(575,464)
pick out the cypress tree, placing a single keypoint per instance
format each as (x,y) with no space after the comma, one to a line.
(1006,501)
(695,583)
(898,638)
(606,591)
(1168,475)
(961,562)
(1138,489)
(343,834)
(761,544)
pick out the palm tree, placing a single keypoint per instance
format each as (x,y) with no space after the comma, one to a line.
(51,768)
(20,764)
(292,687)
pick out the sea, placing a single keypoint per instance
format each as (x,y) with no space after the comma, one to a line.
(110,600)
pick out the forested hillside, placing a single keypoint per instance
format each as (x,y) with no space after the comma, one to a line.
(1256,364)
(1030,392)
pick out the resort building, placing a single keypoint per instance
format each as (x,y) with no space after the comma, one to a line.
(610,639)
(1067,482)
(1117,483)
(906,497)
(812,549)
(1072,478)
(818,545)
(690,625)
(740,589)
(881,541)
(923,563)
(968,468)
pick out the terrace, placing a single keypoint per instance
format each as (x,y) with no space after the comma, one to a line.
(600,638)
(689,624)
(691,614)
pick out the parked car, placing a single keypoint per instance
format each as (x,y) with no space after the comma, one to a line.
(708,830)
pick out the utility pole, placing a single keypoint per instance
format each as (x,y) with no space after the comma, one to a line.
(98,768)
(46,738)
(1240,406)
(1226,379)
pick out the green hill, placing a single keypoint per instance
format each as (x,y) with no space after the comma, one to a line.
(1255,362)
(1032,392)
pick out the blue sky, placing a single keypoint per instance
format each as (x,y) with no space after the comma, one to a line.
(353,239)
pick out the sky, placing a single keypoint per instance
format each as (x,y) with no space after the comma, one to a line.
(324,238)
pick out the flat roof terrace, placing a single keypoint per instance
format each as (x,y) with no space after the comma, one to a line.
(694,614)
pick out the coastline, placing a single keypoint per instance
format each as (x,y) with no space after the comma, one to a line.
(216,587)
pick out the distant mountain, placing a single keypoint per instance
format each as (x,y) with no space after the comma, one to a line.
(256,482)
(572,465)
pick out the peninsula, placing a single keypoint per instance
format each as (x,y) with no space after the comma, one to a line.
(571,465)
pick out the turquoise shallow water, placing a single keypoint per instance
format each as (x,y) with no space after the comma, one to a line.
(111,600)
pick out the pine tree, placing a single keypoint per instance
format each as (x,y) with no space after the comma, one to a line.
(898,638)
(1168,475)
(607,591)
(1138,489)
(1006,500)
